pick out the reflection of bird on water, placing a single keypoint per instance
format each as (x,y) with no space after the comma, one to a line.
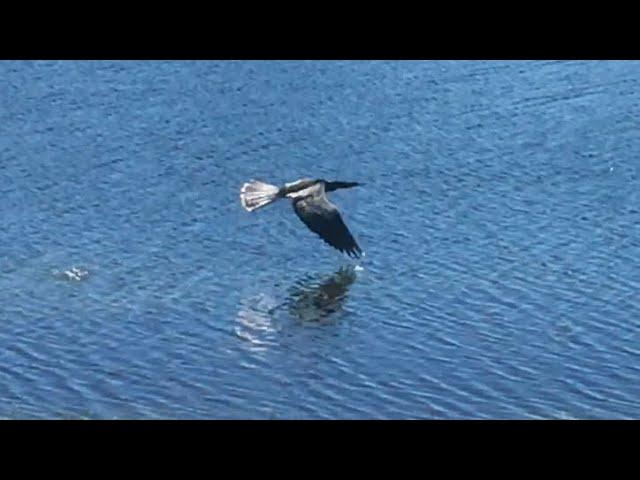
(255,321)
(313,301)
(312,206)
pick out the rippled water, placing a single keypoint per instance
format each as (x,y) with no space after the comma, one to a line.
(500,220)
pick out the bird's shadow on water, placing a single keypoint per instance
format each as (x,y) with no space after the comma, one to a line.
(312,301)
(317,299)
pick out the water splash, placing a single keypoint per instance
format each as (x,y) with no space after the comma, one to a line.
(74,274)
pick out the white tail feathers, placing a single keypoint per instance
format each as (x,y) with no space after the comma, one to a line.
(255,194)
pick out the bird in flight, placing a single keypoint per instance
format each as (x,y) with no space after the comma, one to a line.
(312,206)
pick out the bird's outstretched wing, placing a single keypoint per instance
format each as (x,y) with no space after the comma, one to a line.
(323,218)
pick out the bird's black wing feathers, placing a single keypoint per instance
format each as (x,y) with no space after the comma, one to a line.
(323,218)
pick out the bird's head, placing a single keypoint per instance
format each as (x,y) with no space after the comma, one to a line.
(331,186)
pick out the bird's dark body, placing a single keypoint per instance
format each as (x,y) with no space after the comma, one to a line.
(323,218)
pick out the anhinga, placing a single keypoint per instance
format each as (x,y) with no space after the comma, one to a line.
(312,206)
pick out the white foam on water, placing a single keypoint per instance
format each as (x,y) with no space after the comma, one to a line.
(74,273)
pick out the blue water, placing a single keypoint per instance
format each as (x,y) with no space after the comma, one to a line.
(499,218)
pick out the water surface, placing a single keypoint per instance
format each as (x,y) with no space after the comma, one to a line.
(499,220)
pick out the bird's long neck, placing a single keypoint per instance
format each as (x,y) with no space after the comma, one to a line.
(331,186)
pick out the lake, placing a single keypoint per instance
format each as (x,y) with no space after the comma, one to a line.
(499,218)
